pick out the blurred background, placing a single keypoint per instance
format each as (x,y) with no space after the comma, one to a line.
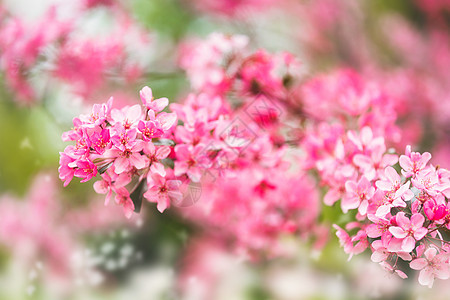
(57,58)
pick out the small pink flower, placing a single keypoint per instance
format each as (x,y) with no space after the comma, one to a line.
(374,162)
(358,195)
(413,162)
(161,191)
(428,181)
(433,211)
(100,141)
(163,120)
(66,171)
(433,265)
(150,130)
(395,192)
(155,155)
(380,227)
(128,158)
(191,160)
(86,170)
(127,116)
(122,138)
(150,102)
(110,182)
(99,114)
(347,242)
(123,198)
(408,231)
(381,252)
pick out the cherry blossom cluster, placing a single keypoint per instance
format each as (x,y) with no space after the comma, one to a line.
(229,141)
(398,216)
(232,139)
(225,64)
(120,145)
(349,119)
(257,207)
(239,161)
(63,50)
(240,118)
(401,216)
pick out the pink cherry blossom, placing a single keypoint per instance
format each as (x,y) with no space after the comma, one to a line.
(150,102)
(155,154)
(86,170)
(162,191)
(150,130)
(123,198)
(413,162)
(191,160)
(357,195)
(434,265)
(408,230)
(434,211)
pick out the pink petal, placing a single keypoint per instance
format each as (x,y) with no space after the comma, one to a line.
(430,253)
(351,187)
(101,187)
(149,148)
(331,197)
(408,244)
(158,168)
(405,162)
(362,161)
(152,194)
(383,210)
(401,274)
(167,120)
(163,203)
(373,231)
(424,160)
(418,264)
(426,277)
(173,184)
(175,196)
(402,190)
(138,160)
(392,175)
(402,220)
(383,185)
(121,164)
(180,168)
(162,152)
(389,160)
(405,256)
(366,135)
(363,207)
(146,95)
(420,233)
(348,203)
(397,232)
(442,272)
(128,209)
(159,104)
(417,221)
(134,113)
(379,256)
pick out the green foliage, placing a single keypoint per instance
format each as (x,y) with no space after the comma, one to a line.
(166,16)
(29,142)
